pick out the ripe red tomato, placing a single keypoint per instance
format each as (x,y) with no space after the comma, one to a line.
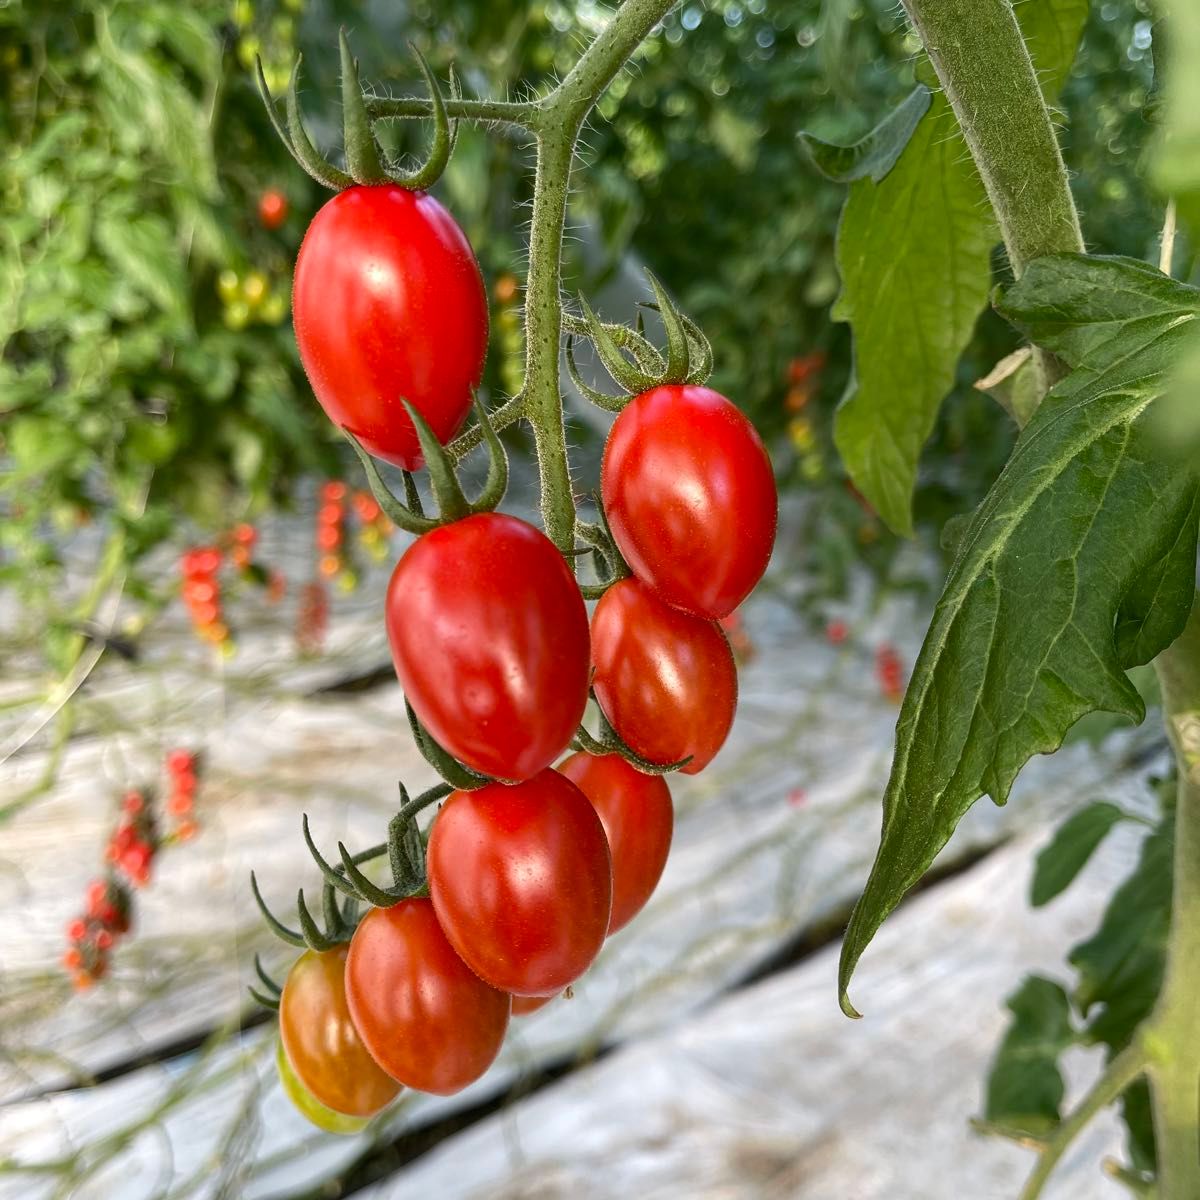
(489,635)
(635,810)
(521,880)
(666,680)
(321,1042)
(690,497)
(389,304)
(272,208)
(427,1020)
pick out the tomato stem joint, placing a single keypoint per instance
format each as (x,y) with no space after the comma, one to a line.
(634,364)
(608,741)
(366,163)
(453,504)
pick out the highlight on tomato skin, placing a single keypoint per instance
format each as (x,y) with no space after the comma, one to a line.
(638,818)
(489,637)
(426,1018)
(690,497)
(521,880)
(389,305)
(321,1041)
(665,680)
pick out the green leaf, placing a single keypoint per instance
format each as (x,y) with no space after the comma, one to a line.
(142,247)
(1025,1086)
(914,252)
(1079,565)
(1052,29)
(1068,852)
(1120,965)
(1176,162)
(874,155)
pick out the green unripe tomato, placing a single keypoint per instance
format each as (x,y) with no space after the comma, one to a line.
(274,309)
(229,286)
(320,1115)
(236,315)
(255,288)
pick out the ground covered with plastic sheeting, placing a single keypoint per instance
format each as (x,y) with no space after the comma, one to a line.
(724,1068)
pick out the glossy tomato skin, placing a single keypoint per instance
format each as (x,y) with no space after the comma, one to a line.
(666,680)
(521,880)
(690,497)
(489,636)
(428,1021)
(321,1115)
(388,303)
(322,1045)
(638,818)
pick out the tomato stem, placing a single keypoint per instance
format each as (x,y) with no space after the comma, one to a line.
(560,117)
(1170,1033)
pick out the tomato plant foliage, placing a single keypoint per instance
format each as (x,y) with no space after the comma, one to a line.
(914,252)
(1079,565)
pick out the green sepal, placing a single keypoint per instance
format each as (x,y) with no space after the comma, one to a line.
(277,927)
(600,399)
(678,352)
(370,891)
(314,938)
(362,154)
(304,152)
(458,776)
(444,138)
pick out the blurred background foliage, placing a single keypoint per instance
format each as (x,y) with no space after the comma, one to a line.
(148,377)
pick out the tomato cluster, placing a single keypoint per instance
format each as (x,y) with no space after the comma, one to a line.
(312,618)
(202,590)
(525,882)
(335,500)
(181,798)
(529,866)
(331,529)
(250,298)
(202,594)
(130,853)
(889,671)
(131,848)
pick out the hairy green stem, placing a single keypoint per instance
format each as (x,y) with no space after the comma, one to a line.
(984,66)
(488,112)
(1117,1076)
(1171,1033)
(543,329)
(561,115)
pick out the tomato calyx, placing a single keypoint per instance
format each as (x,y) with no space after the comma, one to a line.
(459,776)
(608,741)
(366,164)
(405,850)
(269,997)
(340,921)
(608,562)
(634,364)
(452,501)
